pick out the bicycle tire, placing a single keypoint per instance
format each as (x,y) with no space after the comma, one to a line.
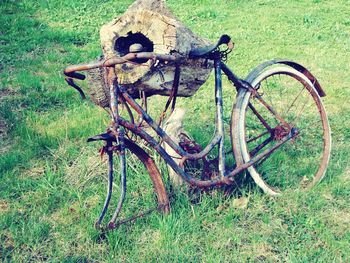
(154,173)
(302,161)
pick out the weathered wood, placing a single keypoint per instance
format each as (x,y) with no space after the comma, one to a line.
(151,24)
(152,5)
(98,88)
(174,128)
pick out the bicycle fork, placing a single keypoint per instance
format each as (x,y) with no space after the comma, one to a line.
(122,165)
(109,149)
(219,115)
(119,137)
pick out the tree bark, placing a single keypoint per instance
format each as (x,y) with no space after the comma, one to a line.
(150,23)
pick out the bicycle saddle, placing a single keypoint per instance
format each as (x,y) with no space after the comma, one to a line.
(203,52)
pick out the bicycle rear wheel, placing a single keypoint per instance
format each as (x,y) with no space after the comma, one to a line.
(300,162)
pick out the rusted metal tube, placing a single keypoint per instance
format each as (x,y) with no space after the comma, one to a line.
(164,136)
(152,124)
(109,186)
(205,151)
(219,115)
(261,119)
(155,145)
(260,156)
(109,62)
(193,181)
(122,165)
(114,95)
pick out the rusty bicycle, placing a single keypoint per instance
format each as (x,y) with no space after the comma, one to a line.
(277,118)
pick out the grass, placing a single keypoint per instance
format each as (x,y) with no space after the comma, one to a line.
(49,198)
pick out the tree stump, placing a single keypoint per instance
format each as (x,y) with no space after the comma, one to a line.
(151,24)
(174,128)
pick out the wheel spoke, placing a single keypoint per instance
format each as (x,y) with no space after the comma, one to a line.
(292,104)
(257,137)
(302,110)
(260,146)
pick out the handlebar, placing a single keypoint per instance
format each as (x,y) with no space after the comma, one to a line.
(70,71)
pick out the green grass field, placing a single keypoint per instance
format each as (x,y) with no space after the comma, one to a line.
(51,184)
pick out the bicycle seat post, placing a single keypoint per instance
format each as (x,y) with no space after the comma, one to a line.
(219,111)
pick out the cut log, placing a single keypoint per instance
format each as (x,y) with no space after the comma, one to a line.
(151,24)
(174,128)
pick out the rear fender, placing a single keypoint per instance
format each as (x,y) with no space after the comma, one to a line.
(257,70)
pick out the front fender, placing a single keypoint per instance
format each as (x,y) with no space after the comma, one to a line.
(257,70)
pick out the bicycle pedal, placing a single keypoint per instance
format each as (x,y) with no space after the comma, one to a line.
(102,137)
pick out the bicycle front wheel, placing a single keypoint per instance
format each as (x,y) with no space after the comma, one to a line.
(292,104)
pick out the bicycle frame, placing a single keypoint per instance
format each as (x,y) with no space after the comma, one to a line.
(118,94)
(225,177)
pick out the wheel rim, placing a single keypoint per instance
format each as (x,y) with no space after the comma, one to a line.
(301,161)
(144,164)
